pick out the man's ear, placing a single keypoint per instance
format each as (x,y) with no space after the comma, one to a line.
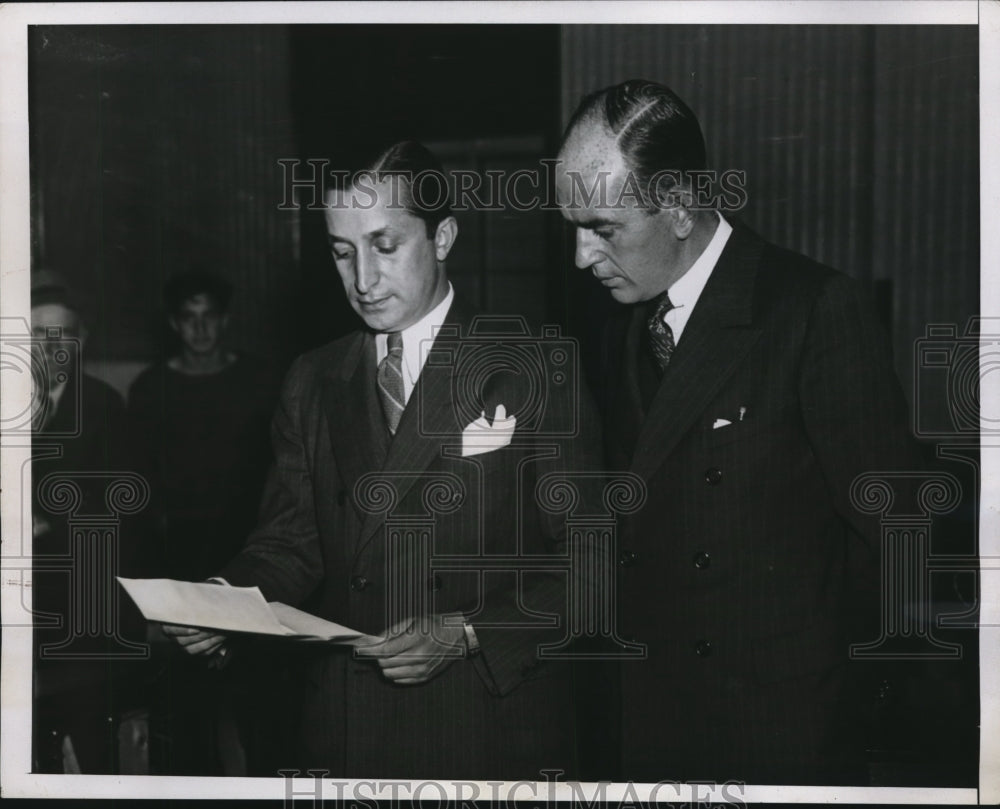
(444,237)
(681,221)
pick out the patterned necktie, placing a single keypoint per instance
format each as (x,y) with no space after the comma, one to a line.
(661,338)
(390,382)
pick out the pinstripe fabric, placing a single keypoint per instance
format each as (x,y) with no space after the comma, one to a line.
(500,715)
(741,578)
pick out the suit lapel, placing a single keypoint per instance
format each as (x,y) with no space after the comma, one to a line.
(429,421)
(625,400)
(358,436)
(715,341)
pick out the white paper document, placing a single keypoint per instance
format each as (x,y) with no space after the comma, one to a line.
(229,609)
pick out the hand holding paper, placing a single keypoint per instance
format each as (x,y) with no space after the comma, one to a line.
(190,607)
(409,656)
(194,641)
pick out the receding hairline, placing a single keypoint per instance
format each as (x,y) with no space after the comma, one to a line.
(590,133)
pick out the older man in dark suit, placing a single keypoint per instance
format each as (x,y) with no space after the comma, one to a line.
(748,386)
(403,504)
(83,682)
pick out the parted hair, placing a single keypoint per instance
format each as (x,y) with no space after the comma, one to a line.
(423,186)
(655,130)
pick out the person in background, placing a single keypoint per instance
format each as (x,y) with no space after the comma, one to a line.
(199,423)
(199,429)
(77,445)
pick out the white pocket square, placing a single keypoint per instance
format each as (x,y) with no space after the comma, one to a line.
(720,423)
(480,436)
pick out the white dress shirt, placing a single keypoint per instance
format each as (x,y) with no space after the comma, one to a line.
(417,340)
(687,289)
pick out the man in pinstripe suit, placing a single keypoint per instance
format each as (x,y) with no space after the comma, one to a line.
(373,476)
(748,386)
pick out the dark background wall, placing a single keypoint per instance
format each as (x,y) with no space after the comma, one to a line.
(155,147)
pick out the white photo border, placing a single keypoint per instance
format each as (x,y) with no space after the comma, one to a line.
(16,780)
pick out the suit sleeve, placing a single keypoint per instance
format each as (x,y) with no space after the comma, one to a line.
(510,653)
(854,410)
(282,554)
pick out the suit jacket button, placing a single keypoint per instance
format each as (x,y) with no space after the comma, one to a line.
(703,648)
(702,560)
(434,583)
(627,558)
(713,476)
(359,583)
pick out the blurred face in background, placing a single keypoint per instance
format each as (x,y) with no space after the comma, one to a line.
(200,325)
(48,316)
(392,271)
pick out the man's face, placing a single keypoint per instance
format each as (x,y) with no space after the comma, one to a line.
(55,315)
(633,252)
(199,324)
(391,270)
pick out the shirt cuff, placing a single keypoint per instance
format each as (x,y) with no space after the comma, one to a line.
(471,641)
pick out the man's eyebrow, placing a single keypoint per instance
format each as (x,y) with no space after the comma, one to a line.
(388,230)
(593,224)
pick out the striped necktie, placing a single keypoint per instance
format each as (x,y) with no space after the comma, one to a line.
(661,338)
(390,382)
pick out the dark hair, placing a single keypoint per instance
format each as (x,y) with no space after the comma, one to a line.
(423,187)
(656,131)
(185,285)
(49,286)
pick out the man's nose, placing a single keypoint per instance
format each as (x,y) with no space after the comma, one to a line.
(586,248)
(365,273)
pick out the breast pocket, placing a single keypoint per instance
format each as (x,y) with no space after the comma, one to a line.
(751,426)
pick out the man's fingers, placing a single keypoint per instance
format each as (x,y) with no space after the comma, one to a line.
(407,660)
(179,631)
(206,646)
(412,673)
(366,641)
(203,644)
(399,628)
(392,645)
(195,637)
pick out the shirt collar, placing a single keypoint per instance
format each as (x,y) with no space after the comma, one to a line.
(687,289)
(417,338)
